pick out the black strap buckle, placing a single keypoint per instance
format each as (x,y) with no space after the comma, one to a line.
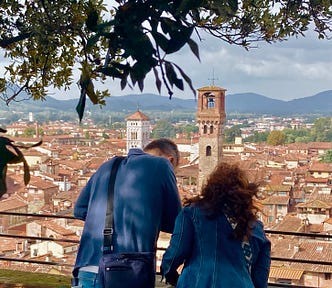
(108,231)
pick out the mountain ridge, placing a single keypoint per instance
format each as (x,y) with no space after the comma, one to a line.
(320,103)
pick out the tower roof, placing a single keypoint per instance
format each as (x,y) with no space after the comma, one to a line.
(211,88)
(138,115)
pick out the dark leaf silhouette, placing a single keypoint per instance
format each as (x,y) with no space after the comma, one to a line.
(11,154)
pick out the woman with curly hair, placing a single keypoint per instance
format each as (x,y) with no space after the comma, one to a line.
(218,237)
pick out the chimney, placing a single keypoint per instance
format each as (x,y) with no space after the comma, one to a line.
(37,129)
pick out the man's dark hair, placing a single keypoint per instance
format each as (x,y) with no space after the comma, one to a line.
(167,147)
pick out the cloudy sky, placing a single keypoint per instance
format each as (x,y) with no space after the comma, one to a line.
(287,70)
(293,69)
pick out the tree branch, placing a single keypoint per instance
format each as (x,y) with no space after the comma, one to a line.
(8,41)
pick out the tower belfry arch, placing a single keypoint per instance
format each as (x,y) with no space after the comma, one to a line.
(210,119)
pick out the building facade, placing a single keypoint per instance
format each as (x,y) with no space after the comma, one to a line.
(138,130)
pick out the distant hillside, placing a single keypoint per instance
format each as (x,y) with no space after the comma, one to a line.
(320,103)
(252,103)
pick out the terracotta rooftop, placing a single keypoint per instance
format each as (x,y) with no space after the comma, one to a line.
(320,145)
(12,203)
(289,223)
(281,200)
(320,167)
(315,250)
(285,273)
(138,115)
(315,204)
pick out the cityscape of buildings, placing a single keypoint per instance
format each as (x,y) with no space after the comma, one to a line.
(296,189)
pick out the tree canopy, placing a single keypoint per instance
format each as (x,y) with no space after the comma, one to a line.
(276,138)
(45,40)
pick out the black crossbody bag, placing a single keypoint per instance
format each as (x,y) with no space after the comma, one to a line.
(123,270)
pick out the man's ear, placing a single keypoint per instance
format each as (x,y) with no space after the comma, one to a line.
(172,160)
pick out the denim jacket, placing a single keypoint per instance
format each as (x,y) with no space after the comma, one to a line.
(211,258)
(146,201)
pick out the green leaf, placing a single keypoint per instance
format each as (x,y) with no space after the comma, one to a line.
(186,78)
(161,40)
(172,77)
(19,157)
(7,151)
(26,173)
(81,105)
(179,34)
(158,81)
(3,172)
(123,83)
(187,5)
(225,9)
(194,48)
(111,71)
(92,20)
(140,84)
(92,41)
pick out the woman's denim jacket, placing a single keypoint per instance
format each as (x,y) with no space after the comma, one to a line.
(211,257)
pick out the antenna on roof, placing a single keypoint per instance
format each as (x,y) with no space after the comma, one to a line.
(213,78)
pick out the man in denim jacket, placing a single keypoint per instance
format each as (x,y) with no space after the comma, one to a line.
(146,201)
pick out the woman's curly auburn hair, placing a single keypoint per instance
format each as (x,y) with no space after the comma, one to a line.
(229,191)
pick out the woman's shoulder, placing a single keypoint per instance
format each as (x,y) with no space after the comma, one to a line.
(191,209)
(258,230)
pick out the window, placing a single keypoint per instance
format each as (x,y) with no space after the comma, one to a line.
(211,102)
(204,129)
(208,150)
(133,135)
(284,281)
(211,129)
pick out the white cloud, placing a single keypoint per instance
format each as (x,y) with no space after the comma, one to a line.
(285,70)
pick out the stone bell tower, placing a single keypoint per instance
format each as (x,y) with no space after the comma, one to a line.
(210,118)
(138,130)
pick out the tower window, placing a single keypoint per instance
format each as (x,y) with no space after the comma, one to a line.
(211,102)
(204,129)
(208,151)
(211,129)
(133,135)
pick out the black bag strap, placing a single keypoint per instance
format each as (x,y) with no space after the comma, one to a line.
(108,230)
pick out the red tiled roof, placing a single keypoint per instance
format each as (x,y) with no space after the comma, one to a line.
(320,145)
(282,200)
(285,273)
(138,115)
(315,204)
(11,203)
(321,167)
(316,180)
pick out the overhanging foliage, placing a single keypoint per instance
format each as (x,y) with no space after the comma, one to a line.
(11,154)
(46,40)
